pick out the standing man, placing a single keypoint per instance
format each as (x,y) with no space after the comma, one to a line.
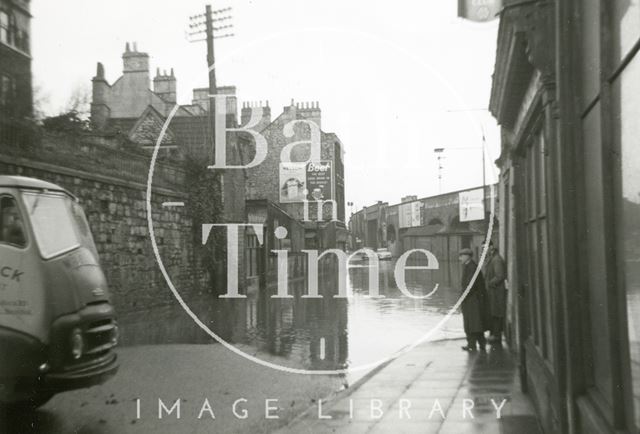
(473,306)
(495,275)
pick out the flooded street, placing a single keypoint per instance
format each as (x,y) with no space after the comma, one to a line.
(345,333)
(317,334)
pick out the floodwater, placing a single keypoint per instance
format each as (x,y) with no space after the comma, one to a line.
(325,333)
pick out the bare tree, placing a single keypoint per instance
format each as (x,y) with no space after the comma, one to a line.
(79,101)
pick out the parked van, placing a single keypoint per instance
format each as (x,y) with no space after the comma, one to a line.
(57,325)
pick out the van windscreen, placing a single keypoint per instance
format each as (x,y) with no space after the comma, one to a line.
(52,222)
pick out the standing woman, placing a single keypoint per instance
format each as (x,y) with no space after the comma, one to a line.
(473,306)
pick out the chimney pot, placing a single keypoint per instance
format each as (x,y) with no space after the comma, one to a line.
(127,48)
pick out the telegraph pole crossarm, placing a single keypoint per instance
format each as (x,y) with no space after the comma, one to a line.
(203,24)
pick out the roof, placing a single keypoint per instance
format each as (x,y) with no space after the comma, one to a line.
(24,182)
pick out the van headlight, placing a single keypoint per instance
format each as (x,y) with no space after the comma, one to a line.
(115,335)
(77,343)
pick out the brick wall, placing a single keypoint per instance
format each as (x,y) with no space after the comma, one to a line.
(263,181)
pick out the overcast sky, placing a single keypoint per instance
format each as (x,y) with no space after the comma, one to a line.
(394,79)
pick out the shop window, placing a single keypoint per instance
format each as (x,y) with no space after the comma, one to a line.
(12,230)
(537,247)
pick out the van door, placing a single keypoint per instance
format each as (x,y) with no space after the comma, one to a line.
(22,301)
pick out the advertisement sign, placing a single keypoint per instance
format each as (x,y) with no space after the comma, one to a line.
(409,214)
(415,214)
(310,181)
(479,10)
(471,205)
(319,185)
(293,182)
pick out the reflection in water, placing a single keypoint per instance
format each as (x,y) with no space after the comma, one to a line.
(334,333)
(326,333)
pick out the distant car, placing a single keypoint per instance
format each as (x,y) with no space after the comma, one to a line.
(383,254)
(358,256)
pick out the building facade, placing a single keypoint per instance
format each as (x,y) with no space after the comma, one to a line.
(264,181)
(566,93)
(432,223)
(16,97)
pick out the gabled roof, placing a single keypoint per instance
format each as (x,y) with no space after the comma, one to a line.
(148,127)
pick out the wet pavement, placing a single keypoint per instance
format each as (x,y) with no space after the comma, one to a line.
(196,375)
(435,388)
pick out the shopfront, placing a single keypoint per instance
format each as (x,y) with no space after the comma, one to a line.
(566,93)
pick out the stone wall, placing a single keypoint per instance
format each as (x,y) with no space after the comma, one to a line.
(111,186)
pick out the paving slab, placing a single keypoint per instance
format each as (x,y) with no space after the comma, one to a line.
(437,388)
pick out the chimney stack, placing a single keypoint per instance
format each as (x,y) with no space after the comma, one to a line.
(247,110)
(100,111)
(310,111)
(165,86)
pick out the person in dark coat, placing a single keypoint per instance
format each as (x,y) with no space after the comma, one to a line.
(495,273)
(474,305)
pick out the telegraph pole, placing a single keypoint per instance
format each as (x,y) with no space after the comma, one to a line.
(211,64)
(211,31)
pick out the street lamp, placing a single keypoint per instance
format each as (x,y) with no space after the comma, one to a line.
(440,157)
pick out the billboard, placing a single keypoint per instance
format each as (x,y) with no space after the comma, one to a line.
(311,181)
(479,10)
(293,182)
(471,205)
(319,181)
(409,214)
